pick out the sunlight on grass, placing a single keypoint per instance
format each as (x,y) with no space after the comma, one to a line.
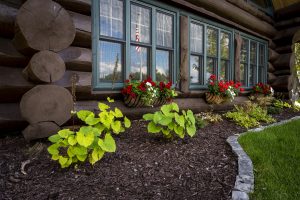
(275,153)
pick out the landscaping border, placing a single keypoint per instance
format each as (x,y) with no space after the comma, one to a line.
(244,183)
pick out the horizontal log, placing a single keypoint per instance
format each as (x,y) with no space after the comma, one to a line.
(284,49)
(282,62)
(8,14)
(83,27)
(282,72)
(296,37)
(76,58)
(9,56)
(288,12)
(272,45)
(271,67)
(271,78)
(273,55)
(287,23)
(285,36)
(80,6)
(252,10)
(224,9)
(281,83)
(10,118)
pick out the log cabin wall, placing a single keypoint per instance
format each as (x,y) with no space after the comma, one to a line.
(16,55)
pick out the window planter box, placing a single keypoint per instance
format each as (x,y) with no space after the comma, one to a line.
(137,102)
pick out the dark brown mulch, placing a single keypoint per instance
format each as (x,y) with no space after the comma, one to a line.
(144,167)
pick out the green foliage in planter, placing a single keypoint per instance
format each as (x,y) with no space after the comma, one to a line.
(281,104)
(91,141)
(249,115)
(170,122)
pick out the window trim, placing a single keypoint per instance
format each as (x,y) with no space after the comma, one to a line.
(155,6)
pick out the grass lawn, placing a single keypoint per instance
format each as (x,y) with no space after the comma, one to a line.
(275,153)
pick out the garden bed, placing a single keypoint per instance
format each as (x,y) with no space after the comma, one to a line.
(144,167)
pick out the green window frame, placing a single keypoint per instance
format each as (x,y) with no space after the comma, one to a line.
(126,45)
(204,58)
(253,62)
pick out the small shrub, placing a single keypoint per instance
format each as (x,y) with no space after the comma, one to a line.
(91,141)
(281,104)
(170,122)
(249,115)
(200,123)
(210,117)
(273,110)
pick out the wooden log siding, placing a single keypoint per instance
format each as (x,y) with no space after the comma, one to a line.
(184,55)
(282,62)
(80,6)
(273,55)
(7,19)
(237,57)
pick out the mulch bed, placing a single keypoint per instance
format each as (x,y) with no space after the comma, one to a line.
(144,167)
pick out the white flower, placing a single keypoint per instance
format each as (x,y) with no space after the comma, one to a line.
(149,84)
(272,91)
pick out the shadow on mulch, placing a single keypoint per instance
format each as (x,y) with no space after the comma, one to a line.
(144,167)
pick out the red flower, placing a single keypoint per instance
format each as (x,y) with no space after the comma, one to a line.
(242,89)
(127,81)
(168,86)
(212,77)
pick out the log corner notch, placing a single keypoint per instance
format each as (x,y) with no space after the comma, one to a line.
(43,25)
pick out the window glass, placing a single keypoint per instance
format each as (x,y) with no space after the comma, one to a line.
(196,38)
(196,67)
(139,63)
(212,42)
(164,30)
(244,60)
(140,24)
(111,18)
(224,69)
(225,48)
(110,64)
(253,63)
(261,54)
(162,69)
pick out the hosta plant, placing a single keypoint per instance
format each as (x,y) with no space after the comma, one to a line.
(91,141)
(170,122)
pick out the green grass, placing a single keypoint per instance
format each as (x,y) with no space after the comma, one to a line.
(275,153)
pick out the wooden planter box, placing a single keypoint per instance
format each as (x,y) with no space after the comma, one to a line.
(138,102)
(214,99)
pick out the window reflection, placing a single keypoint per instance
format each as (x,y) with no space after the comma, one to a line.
(140,24)
(139,63)
(162,69)
(164,30)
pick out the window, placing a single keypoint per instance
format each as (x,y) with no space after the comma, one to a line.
(210,53)
(253,62)
(133,40)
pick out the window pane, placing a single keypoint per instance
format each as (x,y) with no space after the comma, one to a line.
(253,53)
(212,64)
(196,66)
(140,24)
(242,74)
(139,63)
(252,75)
(212,42)
(162,65)
(244,51)
(110,63)
(111,18)
(225,37)
(261,54)
(164,30)
(261,73)
(196,40)
(224,71)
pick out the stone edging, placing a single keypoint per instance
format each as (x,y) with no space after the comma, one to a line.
(244,183)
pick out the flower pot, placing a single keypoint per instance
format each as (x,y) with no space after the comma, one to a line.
(135,102)
(213,99)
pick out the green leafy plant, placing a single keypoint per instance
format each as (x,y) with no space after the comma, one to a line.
(249,115)
(281,104)
(200,123)
(91,141)
(210,117)
(273,110)
(170,122)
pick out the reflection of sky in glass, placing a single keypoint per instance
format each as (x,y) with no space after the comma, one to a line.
(140,18)
(194,69)
(224,45)
(111,18)
(210,67)
(196,38)
(212,42)
(110,53)
(244,50)
(164,30)
(162,65)
(139,63)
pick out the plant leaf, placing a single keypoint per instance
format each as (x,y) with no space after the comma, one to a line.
(83,114)
(157,117)
(108,144)
(53,149)
(81,157)
(191,116)
(54,138)
(152,128)
(127,122)
(179,119)
(110,100)
(55,157)
(116,126)
(65,133)
(70,152)
(148,116)
(91,120)
(179,131)
(62,161)
(103,106)
(72,140)
(191,130)
(165,120)
(175,107)
(80,150)
(166,109)
(85,139)
(118,113)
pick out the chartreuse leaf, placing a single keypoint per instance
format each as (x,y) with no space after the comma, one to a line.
(85,139)
(175,107)
(72,140)
(171,125)
(81,157)
(191,116)
(91,120)
(70,152)
(55,157)
(152,128)
(179,131)
(79,150)
(97,154)
(118,113)
(166,109)
(103,106)
(191,130)
(105,119)
(62,161)
(179,120)
(127,122)
(53,149)
(148,116)
(157,117)
(110,100)
(54,138)
(65,133)
(83,114)
(116,126)
(108,144)
(165,120)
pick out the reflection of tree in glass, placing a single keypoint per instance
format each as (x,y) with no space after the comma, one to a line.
(225,45)
(136,76)
(212,38)
(161,76)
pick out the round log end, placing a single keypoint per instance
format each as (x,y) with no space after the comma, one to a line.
(40,130)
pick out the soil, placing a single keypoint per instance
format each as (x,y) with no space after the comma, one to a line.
(145,166)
